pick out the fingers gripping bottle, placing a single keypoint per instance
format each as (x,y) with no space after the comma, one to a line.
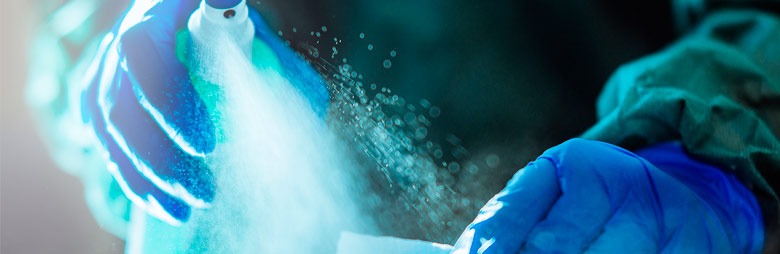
(200,48)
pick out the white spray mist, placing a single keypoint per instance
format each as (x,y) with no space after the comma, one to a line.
(283,183)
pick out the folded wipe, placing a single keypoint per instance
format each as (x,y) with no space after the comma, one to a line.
(352,243)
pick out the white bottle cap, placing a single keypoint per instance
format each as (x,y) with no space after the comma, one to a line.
(207,23)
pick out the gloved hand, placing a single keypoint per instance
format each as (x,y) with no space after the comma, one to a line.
(589,196)
(149,118)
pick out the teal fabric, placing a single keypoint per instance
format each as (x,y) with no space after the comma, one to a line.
(687,13)
(717,91)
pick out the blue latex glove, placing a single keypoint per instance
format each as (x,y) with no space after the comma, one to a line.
(149,118)
(592,196)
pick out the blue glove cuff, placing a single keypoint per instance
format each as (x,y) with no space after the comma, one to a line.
(734,204)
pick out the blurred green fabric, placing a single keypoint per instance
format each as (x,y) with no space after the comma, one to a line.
(61,53)
(718,91)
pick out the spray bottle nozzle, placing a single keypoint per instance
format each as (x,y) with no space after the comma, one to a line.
(229,13)
(217,20)
(230,5)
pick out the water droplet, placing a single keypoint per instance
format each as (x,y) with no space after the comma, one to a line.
(317,33)
(435,112)
(473,168)
(324,29)
(425,103)
(397,121)
(438,153)
(370,47)
(492,160)
(280,33)
(410,117)
(392,53)
(387,64)
(454,167)
(362,35)
(295,30)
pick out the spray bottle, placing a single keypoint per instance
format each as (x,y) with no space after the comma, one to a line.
(213,24)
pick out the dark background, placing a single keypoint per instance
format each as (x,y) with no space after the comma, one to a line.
(512,78)
(505,73)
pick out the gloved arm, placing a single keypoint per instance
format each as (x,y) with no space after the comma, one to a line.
(150,119)
(147,115)
(591,196)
